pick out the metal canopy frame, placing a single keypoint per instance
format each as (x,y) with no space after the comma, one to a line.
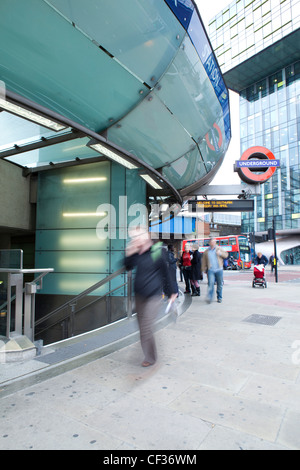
(43,142)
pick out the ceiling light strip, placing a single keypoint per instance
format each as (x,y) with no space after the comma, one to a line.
(84,214)
(113,155)
(31,116)
(84,180)
(151,181)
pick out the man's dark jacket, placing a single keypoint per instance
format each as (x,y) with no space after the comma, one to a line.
(152,273)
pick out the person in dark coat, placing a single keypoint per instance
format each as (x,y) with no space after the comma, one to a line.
(172,268)
(261,259)
(196,272)
(152,273)
(180,267)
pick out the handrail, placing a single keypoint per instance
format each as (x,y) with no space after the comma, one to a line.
(24,312)
(69,314)
(43,272)
(72,302)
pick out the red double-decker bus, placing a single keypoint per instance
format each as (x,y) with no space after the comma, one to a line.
(237,246)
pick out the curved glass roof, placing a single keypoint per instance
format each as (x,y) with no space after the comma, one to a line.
(140,72)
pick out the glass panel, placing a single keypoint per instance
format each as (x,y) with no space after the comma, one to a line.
(72,283)
(186,170)
(141,36)
(214,145)
(64,202)
(202,46)
(64,71)
(11,259)
(117,260)
(74,261)
(118,281)
(72,246)
(152,133)
(3,305)
(73,239)
(186,82)
(68,199)
(135,191)
(16,130)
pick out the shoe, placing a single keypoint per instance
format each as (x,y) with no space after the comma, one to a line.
(219,301)
(187,292)
(146,364)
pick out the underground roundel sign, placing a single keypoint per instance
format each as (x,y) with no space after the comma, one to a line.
(256,165)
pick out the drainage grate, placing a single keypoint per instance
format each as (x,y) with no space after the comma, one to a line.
(263,319)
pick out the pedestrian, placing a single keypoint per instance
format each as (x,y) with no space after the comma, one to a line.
(196,272)
(272,262)
(180,267)
(261,259)
(212,263)
(151,274)
(292,258)
(187,268)
(172,261)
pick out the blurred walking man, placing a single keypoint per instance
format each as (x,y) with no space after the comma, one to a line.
(151,275)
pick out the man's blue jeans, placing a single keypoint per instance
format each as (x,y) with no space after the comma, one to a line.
(212,277)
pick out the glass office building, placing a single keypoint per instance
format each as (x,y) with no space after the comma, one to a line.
(257,44)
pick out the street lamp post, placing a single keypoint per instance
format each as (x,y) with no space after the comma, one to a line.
(275,249)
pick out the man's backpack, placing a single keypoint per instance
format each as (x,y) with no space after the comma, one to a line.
(156,251)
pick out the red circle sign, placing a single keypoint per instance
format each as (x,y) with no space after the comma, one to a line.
(220,138)
(260,153)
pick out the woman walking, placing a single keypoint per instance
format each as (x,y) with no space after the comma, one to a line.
(196,272)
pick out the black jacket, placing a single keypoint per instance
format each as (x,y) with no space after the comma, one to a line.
(196,273)
(151,274)
(263,260)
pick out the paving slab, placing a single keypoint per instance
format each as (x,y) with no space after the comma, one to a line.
(220,383)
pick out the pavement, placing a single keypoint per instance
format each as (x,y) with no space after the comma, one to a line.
(227,378)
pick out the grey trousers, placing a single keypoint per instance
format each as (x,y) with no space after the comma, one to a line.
(147,309)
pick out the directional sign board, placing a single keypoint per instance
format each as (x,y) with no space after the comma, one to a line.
(231,205)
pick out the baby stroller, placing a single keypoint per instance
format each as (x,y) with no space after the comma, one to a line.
(259,276)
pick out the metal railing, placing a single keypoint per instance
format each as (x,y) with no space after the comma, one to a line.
(24,311)
(67,319)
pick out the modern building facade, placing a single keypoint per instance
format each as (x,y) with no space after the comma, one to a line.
(257,44)
(105,107)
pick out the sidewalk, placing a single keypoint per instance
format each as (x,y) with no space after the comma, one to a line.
(228,377)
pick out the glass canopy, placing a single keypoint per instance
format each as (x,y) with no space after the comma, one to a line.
(141,73)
